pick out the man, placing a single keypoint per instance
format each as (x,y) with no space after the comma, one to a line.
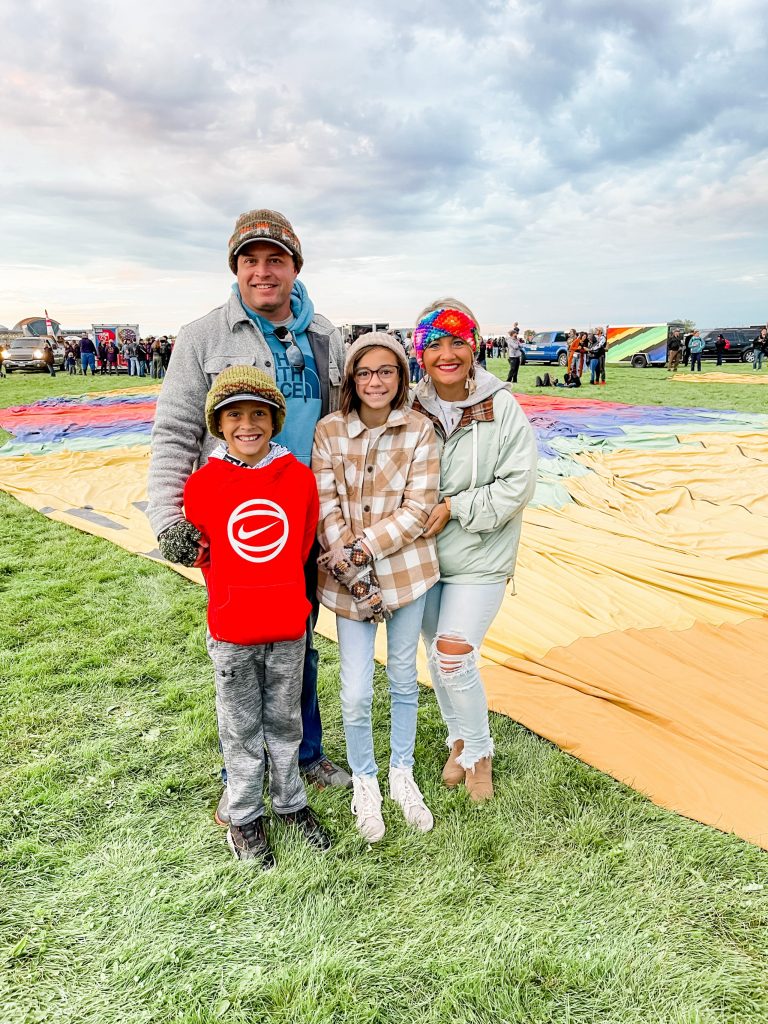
(760,347)
(87,355)
(129,353)
(674,346)
(269,322)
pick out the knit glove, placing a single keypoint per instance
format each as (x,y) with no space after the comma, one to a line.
(352,566)
(179,543)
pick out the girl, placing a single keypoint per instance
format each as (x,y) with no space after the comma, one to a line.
(377,473)
(487,476)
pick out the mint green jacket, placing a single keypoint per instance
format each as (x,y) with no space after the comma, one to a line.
(488,469)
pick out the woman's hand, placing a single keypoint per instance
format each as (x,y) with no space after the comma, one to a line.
(438,518)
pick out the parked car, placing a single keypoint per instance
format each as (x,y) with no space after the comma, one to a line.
(27,354)
(740,343)
(546,347)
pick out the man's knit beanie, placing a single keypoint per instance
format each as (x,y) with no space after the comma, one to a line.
(264,226)
(241,383)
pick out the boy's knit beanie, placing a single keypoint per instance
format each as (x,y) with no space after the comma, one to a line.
(243,382)
(264,226)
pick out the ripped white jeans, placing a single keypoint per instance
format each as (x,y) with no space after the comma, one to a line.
(461,612)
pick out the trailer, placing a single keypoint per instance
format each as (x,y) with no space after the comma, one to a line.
(638,344)
(121,334)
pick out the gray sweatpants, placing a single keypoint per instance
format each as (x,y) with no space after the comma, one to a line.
(258,704)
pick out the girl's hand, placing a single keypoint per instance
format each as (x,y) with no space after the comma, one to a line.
(438,518)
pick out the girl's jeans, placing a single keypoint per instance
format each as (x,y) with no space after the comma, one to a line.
(594,370)
(461,612)
(758,363)
(356,643)
(695,361)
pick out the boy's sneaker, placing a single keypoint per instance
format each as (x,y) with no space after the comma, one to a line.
(326,773)
(249,842)
(404,791)
(366,807)
(308,826)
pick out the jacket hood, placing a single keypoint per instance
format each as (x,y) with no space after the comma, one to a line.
(487,385)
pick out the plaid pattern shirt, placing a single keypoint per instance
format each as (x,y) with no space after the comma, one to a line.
(380,484)
(482,412)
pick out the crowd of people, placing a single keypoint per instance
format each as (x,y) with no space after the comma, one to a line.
(146,357)
(296,472)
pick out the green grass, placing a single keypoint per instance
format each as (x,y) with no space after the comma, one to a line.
(650,386)
(570,898)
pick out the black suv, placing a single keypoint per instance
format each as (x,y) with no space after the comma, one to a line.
(739,343)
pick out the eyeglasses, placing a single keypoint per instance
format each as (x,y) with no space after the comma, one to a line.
(384,373)
(293,353)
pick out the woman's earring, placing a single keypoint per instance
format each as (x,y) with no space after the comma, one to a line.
(471,384)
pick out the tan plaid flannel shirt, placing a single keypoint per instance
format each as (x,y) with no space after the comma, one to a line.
(378,483)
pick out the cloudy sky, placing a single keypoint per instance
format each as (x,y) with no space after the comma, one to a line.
(559,163)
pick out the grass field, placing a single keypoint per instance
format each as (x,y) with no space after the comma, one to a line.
(569,899)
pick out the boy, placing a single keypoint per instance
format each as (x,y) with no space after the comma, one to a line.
(252,510)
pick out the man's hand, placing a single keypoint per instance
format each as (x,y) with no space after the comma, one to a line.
(438,518)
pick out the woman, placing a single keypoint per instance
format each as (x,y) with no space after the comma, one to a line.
(378,473)
(487,476)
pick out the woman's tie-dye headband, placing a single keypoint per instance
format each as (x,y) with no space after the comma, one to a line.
(441,323)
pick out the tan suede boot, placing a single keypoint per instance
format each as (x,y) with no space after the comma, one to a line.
(453,773)
(478,781)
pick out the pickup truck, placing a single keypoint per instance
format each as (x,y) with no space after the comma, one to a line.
(546,347)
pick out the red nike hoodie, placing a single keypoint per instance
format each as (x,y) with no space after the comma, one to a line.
(260,524)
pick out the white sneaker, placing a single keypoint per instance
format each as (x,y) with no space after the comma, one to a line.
(366,807)
(405,792)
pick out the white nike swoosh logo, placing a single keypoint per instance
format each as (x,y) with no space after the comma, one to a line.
(247,534)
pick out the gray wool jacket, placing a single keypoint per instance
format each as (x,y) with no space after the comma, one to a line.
(180,440)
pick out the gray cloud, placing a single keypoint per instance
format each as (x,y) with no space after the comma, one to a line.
(441,129)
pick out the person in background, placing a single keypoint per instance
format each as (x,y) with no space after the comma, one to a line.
(602,337)
(686,350)
(88,355)
(69,359)
(760,349)
(165,352)
(674,347)
(378,473)
(576,350)
(595,349)
(570,380)
(487,477)
(514,355)
(157,359)
(129,353)
(414,370)
(111,354)
(695,347)
(721,346)
(49,358)
(481,352)
(141,357)
(101,353)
